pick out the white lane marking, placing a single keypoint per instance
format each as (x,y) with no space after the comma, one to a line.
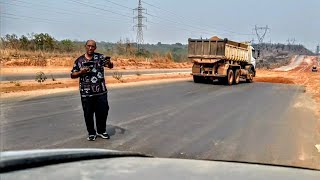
(318,147)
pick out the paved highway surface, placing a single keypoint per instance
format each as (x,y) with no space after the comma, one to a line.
(29,76)
(258,122)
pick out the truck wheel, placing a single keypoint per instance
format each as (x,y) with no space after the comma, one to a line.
(237,76)
(230,77)
(251,74)
(250,78)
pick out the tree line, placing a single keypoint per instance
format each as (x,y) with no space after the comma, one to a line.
(35,42)
(124,47)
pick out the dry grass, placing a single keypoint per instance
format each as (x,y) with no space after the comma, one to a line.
(11,57)
(12,53)
(17,58)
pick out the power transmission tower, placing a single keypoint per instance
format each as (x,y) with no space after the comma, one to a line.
(291,41)
(140,25)
(261,33)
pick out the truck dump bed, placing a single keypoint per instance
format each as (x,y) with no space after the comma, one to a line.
(209,49)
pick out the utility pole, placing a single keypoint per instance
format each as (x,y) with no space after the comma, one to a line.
(140,25)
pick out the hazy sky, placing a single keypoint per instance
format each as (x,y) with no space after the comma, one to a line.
(168,21)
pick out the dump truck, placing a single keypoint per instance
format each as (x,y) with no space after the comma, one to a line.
(221,59)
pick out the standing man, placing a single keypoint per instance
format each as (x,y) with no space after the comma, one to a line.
(90,69)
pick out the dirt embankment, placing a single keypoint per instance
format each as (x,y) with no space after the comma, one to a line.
(25,66)
(31,62)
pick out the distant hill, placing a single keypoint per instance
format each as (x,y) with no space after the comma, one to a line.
(276,55)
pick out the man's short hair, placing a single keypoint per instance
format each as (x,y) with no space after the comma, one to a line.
(92,41)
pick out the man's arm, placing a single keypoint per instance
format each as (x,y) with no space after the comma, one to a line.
(77,71)
(82,71)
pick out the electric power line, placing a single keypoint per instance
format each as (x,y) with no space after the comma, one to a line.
(49,20)
(119,4)
(181,17)
(102,9)
(59,12)
(176,22)
(171,20)
(141,25)
(19,5)
(187,30)
(153,15)
(50,7)
(107,10)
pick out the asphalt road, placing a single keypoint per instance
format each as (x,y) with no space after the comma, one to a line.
(258,122)
(18,77)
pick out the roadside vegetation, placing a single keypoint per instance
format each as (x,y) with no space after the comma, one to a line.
(44,50)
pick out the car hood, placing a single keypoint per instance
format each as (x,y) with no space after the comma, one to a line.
(110,164)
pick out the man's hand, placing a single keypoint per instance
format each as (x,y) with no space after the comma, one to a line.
(110,65)
(107,62)
(80,73)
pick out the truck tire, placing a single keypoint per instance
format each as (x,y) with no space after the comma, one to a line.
(198,79)
(251,73)
(236,76)
(250,78)
(230,77)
